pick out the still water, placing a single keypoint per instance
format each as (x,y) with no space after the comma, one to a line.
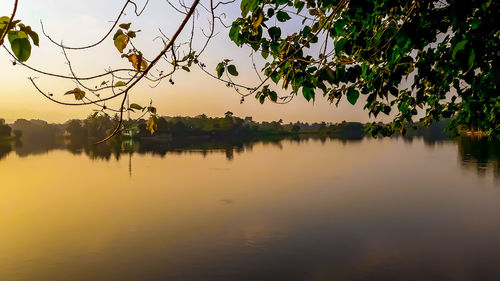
(312,210)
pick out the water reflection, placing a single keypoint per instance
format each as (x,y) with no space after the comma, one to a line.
(5,149)
(303,209)
(478,154)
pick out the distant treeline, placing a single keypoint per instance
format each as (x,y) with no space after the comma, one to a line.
(202,134)
(201,126)
(7,132)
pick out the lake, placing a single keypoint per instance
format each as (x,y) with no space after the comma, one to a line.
(305,209)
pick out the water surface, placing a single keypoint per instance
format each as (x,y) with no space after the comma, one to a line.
(314,209)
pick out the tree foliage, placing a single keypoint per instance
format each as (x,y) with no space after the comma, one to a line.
(406,59)
(439,56)
(5,130)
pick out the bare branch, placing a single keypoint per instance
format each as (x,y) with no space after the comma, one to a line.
(4,33)
(98,42)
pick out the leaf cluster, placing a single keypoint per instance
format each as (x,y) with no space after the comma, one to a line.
(418,58)
(20,37)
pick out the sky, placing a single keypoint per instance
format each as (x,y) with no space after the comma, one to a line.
(78,23)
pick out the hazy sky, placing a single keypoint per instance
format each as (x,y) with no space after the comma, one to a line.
(81,22)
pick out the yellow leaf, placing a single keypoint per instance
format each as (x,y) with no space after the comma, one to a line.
(133,58)
(79,94)
(258,20)
(152,124)
(137,61)
(120,84)
(121,42)
(144,65)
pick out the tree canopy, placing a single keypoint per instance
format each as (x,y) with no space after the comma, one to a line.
(406,59)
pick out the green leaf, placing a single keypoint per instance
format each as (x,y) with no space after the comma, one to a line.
(121,42)
(4,20)
(276,77)
(475,24)
(458,47)
(125,25)
(265,52)
(120,84)
(136,106)
(308,93)
(186,68)
(21,48)
(282,16)
(352,95)
(248,6)
(232,70)
(13,35)
(79,94)
(330,75)
(220,69)
(273,96)
(152,109)
(472,58)
(31,33)
(274,33)
(339,46)
(34,37)
(339,27)
(20,45)
(234,34)
(3,23)
(131,34)
(117,33)
(270,12)
(299,5)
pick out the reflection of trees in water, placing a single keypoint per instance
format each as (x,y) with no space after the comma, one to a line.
(33,146)
(5,149)
(160,147)
(230,147)
(202,146)
(104,151)
(479,154)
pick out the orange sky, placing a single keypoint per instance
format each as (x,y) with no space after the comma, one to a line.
(82,22)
